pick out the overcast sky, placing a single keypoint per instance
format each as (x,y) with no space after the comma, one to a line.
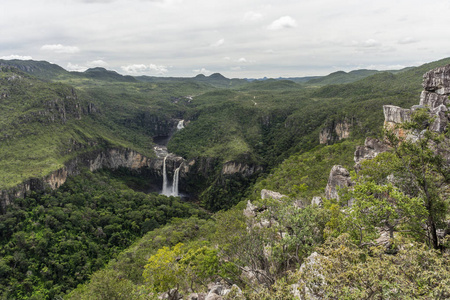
(238,38)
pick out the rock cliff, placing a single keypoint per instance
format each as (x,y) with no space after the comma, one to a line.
(110,158)
(339,178)
(372,147)
(335,131)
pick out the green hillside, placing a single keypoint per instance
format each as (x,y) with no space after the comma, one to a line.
(265,132)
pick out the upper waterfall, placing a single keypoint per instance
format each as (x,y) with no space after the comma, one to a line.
(180,124)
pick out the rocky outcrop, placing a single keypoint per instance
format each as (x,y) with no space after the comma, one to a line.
(437,80)
(232,167)
(335,131)
(372,147)
(339,178)
(435,98)
(267,194)
(395,114)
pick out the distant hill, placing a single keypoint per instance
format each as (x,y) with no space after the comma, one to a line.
(341,77)
(103,74)
(40,69)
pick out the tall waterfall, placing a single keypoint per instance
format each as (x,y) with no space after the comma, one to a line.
(165,187)
(176,176)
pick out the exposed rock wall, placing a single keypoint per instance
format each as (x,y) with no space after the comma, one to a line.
(339,178)
(372,147)
(335,131)
(435,97)
(246,170)
(110,158)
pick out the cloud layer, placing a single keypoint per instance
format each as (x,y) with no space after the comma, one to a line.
(253,38)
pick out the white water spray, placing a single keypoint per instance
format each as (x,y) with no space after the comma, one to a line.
(180,125)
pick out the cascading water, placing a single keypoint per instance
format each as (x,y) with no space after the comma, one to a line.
(180,124)
(168,190)
(176,176)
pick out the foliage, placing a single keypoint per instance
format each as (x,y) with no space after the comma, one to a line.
(342,270)
(305,175)
(382,206)
(52,242)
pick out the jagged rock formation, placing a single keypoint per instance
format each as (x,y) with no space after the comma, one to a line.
(232,167)
(435,97)
(267,194)
(335,131)
(339,178)
(372,147)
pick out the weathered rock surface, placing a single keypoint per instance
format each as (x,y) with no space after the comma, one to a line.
(437,80)
(232,167)
(433,100)
(395,114)
(372,147)
(267,194)
(111,158)
(335,131)
(339,178)
(317,201)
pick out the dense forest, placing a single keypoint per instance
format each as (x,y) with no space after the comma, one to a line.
(81,216)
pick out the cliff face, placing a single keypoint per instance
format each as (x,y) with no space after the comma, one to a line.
(434,97)
(111,158)
(335,131)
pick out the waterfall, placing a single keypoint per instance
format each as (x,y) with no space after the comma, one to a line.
(176,176)
(165,187)
(180,125)
(168,190)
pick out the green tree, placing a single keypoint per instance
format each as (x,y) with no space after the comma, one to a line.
(163,272)
(423,171)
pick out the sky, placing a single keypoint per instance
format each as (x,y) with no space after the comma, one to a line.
(237,38)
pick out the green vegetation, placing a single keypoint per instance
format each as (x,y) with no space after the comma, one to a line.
(52,242)
(97,231)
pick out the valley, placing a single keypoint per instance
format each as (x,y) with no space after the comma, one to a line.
(121,187)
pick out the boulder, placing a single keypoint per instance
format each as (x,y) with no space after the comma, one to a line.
(372,147)
(437,80)
(317,201)
(267,194)
(339,178)
(433,100)
(250,210)
(441,120)
(395,114)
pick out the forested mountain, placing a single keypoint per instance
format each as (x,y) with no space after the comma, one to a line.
(84,155)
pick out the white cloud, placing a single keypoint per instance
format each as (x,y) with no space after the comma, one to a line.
(76,67)
(370,43)
(58,48)
(407,40)
(252,16)
(202,71)
(282,23)
(141,69)
(87,65)
(227,58)
(97,63)
(218,43)
(13,56)
(242,60)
